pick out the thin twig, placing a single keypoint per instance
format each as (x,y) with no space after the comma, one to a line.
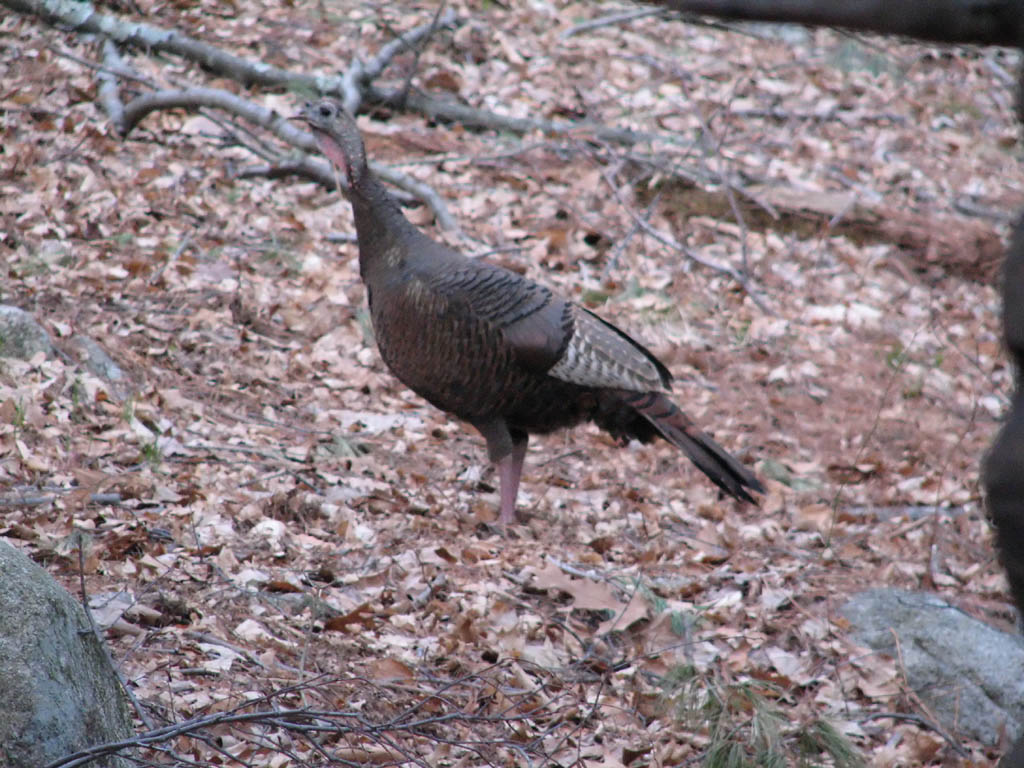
(623,243)
(143,715)
(213,447)
(407,85)
(354,80)
(922,721)
(726,176)
(203,637)
(703,261)
(108,91)
(342,237)
(284,129)
(572,570)
(20,500)
(120,71)
(671,242)
(611,20)
(847,117)
(242,136)
(453,112)
(931,720)
(159,271)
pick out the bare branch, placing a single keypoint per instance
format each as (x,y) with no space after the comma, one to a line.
(352,83)
(21,499)
(692,255)
(436,702)
(378,63)
(642,222)
(924,722)
(83,17)
(139,709)
(423,191)
(450,111)
(354,80)
(121,71)
(354,86)
(620,246)
(108,91)
(610,20)
(304,168)
(192,98)
(407,85)
(285,130)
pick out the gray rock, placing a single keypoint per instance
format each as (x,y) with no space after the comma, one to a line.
(21,335)
(791,34)
(95,358)
(969,674)
(59,694)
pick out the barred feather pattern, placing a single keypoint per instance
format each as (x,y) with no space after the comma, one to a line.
(496,349)
(600,355)
(709,457)
(457,356)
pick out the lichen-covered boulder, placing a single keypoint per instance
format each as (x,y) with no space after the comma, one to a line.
(57,689)
(21,335)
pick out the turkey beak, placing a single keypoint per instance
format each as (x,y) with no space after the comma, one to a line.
(302,115)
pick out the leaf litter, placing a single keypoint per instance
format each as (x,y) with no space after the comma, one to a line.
(287,510)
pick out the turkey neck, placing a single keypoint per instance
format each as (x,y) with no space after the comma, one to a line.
(386,238)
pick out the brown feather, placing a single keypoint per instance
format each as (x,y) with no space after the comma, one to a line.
(496,349)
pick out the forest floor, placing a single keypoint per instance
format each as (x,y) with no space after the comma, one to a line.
(289,511)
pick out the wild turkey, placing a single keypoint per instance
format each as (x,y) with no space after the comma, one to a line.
(496,349)
(1003,468)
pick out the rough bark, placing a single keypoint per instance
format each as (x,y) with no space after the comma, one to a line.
(984,22)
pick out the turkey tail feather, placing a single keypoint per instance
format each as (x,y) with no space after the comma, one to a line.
(708,456)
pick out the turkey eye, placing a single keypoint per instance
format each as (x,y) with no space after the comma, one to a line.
(325,111)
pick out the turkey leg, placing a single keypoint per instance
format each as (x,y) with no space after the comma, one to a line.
(510,469)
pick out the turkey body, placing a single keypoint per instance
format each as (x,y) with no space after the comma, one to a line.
(498,350)
(444,332)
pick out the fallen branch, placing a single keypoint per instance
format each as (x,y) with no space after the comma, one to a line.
(689,253)
(922,721)
(83,17)
(192,98)
(136,705)
(107,91)
(22,500)
(284,129)
(442,17)
(354,737)
(354,86)
(449,111)
(610,20)
(671,242)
